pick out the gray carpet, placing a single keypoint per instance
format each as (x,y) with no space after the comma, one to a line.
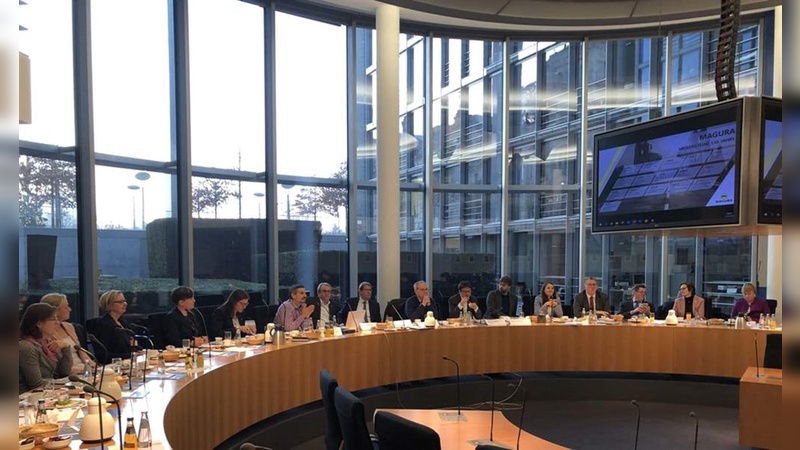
(612,425)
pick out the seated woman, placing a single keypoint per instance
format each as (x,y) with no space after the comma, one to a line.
(112,330)
(547,302)
(750,306)
(228,316)
(40,357)
(65,334)
(688,301)
(182,322)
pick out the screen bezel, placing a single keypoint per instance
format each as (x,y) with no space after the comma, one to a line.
(772,110)
(718,114)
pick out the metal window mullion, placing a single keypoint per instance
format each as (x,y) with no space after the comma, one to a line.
(584,159)
(352,156)
(88,269)
(271,161)
(504,169)
(664,278)
(428,176)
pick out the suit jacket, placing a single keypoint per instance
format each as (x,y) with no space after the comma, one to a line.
(698,307)
(537,307)
(627,306)
(334,310)
(414,309)
(221,322)
(374,309)
(178,327)
(35,367)
(455,312)
(494,304)
(581,302)
(117,341)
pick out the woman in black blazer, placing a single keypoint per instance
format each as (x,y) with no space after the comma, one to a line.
(112,330)
(228,316)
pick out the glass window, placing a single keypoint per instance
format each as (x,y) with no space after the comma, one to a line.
(311,108)
(130,78)
(47,40)
(227,85)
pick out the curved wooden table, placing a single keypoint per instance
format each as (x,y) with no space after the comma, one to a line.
(236,392)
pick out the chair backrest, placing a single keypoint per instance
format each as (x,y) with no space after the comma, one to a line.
(155,323)
(352,420)
(490,447)
(333,432)
(81,332)
(773,355)
(395,309)
(397,433)
(773,305)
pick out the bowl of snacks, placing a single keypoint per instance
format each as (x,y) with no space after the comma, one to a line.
(56,442)
(38,431)
(27,443)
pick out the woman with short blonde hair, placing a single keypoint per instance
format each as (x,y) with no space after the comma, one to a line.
(112,329)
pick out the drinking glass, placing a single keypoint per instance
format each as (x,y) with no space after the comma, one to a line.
(250,324)
(227,335)
(116,364)
(389,322)
(186,343)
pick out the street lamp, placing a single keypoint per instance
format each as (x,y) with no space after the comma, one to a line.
(288,187)
(259,195)
(133,187)
(142,176)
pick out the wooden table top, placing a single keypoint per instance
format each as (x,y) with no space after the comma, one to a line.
(240,388)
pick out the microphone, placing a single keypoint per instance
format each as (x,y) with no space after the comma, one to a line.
(696,427)
(97,392)
(342,313)
(458,384)
(522,414)
(491,403)
(77,379)
(79,349)
(638,420)
(205,328)
(399,316)
(755,342)
(96,341)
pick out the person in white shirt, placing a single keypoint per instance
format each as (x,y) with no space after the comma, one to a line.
(325,309)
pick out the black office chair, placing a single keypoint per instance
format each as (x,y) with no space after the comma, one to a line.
(397,433)
(155,323)
(80,331)
(663,310)
(773,355)
(249,446)
(568,312)
(490,447)
(353,422)
(773,305)
(395,309)
(333,431)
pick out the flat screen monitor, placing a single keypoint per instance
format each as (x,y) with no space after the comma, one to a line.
(681,171)
(770,163)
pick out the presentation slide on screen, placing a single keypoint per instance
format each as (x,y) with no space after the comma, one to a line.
(692,169)
(773,148)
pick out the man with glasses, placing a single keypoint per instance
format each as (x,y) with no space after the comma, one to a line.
(324,309)
(294,313)
(638,305)
(464,300)
(418,305)
(591,299)
(364,302)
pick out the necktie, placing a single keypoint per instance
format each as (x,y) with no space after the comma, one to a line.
(591,303)
(366,311)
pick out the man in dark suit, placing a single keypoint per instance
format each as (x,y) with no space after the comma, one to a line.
(637,305)
(363,302)
(591,299)
(464,300)
(324,309)
(418,305)
(502,302)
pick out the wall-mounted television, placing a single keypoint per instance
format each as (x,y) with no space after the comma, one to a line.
(770,163)
(680,171)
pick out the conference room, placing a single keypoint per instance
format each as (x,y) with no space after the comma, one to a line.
(235,145)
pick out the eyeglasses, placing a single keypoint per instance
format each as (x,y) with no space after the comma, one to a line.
(117,302)
(325,291)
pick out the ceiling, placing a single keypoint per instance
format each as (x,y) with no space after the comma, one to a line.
(549,15)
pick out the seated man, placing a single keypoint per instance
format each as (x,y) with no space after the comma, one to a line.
(324,309)
(591,299)
(750,306)
(294,314)
(464,299)
(502,302)
(418,305)
(638,305)
(364,302)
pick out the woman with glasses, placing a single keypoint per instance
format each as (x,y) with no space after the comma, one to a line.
(229,315)
(65,336)
(41,358)
(112,330)
(183,322)
(689,302)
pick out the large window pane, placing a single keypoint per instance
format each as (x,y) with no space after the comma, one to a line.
(47,40)
(48,238)
(131,79)
(227,84)
(311,96)
(137,243)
